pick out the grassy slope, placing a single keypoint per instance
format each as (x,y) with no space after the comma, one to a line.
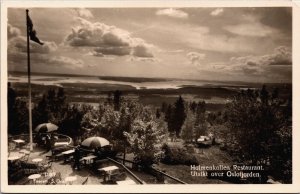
(206,157)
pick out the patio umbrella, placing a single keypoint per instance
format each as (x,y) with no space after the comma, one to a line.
(95,142)
(46,127)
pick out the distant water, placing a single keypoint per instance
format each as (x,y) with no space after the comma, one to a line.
(58,80)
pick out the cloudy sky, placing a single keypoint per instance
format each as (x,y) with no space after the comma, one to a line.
(230,44)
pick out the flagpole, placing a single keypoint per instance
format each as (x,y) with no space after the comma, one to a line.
(29,84)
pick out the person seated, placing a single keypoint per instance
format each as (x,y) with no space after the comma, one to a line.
(38,138)
(48,142)
(98,152)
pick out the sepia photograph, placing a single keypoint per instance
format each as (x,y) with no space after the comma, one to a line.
(148,95)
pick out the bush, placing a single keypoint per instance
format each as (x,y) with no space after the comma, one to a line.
(177,155)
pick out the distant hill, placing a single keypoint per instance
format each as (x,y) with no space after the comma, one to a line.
(146,79)
(111,78)
(48,74)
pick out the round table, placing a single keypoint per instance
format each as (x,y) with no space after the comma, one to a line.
(37,160)
(24,152)
(19,142)
(70,179)
(13,158)
(33,177)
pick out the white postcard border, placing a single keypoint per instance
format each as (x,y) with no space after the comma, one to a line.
(294,187)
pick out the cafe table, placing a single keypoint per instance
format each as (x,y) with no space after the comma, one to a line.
(88,159)
(67,154)
(33,177)
(70,179)
(108,168)
(108,171)
(126,182)
(19,142)
(24,152)
(37,160)
(13,158)
(60,143)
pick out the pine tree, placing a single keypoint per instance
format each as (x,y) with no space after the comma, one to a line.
(179,115)
(157,113)
(168,118)
(200,120)
(117,100)
(164,107)
(188,127)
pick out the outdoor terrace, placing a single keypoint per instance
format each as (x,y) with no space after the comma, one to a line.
(39,166)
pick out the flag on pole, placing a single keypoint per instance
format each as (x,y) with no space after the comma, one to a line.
(32,32)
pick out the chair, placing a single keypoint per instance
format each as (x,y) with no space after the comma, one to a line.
(29,171)
(59,149)
(11,147)
(25,158)
(47,165)
(55,179)
(118,175)
(27,146)
(28,165)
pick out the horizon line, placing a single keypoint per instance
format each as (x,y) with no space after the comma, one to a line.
(164,78)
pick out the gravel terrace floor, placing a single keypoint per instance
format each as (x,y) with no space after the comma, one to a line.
(64,168)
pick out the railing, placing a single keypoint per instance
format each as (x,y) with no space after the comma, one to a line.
(169,176)
(155,170)
(131,173)
(127,163)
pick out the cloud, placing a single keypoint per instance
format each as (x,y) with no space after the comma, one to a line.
(12,31)
(172,51)
(259,68)
(142,51)
(195,57)
(171,12)
(250,29)
(204,38)
(113,50)
(19,44)
(95,53)
(41,55)
(107,40)
(99,54)
(217,12)
(277,64)
(83,12)
(18,60)
(281,56)
(65,62)
(144,59)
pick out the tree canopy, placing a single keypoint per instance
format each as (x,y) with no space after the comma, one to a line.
(261,128)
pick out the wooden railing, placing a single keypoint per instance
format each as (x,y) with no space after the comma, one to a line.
(129,171)
(157,171)
(124,161)
(169,176)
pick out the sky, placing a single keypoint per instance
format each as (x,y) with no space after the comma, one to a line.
(251,44)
